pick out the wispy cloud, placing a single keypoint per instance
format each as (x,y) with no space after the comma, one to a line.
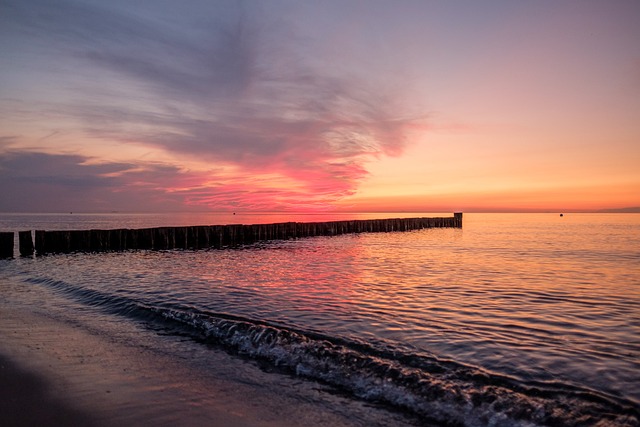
(231,89)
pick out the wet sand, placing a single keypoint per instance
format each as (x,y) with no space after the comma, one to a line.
(55,374)
(26,400)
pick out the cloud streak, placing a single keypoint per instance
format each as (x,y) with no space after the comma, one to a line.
(232,89)
(41,182)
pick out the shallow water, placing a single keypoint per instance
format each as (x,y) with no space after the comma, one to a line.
(516,318)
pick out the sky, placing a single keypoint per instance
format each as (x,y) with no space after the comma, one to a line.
(315,106)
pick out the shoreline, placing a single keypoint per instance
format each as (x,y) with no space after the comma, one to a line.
(53,372)
(58,367)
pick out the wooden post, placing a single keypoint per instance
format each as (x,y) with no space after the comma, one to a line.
(458,219)
(145,238)
(26,243)
(39,242)
(115,240)
(203,235)
(180,235)
(216,236)
(100,240)
(57,241)
(192,237)
(160,238)
(7,239)
(80,241)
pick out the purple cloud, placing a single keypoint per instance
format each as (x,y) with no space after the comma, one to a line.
(232,88)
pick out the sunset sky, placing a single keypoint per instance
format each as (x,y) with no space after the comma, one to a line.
(432,106)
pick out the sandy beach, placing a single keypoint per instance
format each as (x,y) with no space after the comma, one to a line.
(55,374)
(26,400)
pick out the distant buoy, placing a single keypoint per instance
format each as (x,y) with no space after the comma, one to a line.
(561,214)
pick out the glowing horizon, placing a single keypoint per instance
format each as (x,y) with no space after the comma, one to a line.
(339,106)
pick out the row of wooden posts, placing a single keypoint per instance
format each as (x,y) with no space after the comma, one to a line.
(201,237)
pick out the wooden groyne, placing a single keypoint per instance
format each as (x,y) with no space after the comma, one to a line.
(202,237)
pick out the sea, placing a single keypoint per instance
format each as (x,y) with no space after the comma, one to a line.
(514,319)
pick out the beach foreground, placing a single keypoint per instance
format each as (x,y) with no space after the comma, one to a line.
(26,400)
(53,372)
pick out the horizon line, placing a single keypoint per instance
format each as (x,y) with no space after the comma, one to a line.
(635,209)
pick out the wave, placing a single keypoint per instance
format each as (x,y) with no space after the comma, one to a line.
(437,391)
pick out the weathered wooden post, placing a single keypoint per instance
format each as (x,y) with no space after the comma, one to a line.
(216,236)
(140,239)
(202,236)
(6,244)
(292,231)
(269,231)
(39,242)
(192,237)
(99,240)
(237,238)
(115,240)
(313,229)
(180,237)
(127,240)
(458,217)
(57,241)
(50,242)
(25,241)
(80,240)
(250,235)
(160,238)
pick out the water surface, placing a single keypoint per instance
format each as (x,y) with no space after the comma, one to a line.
(516,318)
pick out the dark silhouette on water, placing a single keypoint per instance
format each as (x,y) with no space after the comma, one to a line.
(208,236)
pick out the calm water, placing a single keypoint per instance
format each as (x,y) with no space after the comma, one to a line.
(525,319)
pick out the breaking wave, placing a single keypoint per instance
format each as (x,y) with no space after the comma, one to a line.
(438,391)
